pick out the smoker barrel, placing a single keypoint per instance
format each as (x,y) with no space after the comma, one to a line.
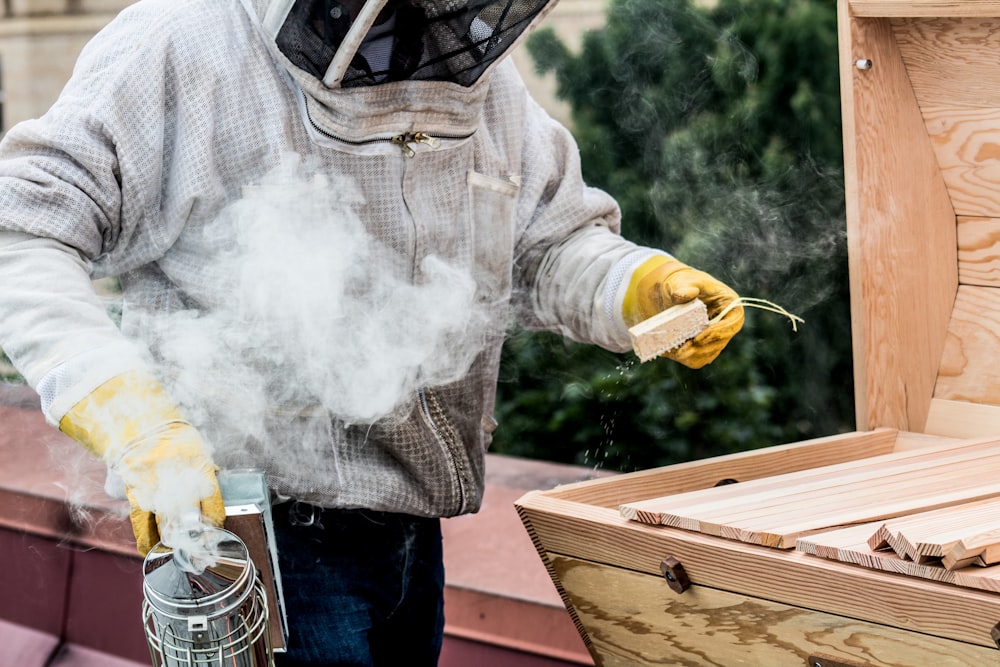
(214,616)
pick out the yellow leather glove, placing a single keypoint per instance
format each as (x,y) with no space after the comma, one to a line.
(131,424)
(661,282)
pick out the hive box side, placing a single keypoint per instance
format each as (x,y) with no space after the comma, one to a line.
(901,231)
(635,619)
(578,541)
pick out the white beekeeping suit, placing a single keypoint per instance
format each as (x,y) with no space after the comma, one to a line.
(178,109)
(323,215)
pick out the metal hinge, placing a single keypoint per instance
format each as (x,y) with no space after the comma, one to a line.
(675,575)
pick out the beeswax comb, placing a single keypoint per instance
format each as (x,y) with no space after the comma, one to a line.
(668,330)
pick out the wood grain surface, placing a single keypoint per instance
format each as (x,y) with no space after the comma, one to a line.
(635,619)
(921,122)
(901,233)
(612,492)
(969,370)
(850,545)
(913,604)
(967,145)
(951,60)
(979,251)
(944,8)
(775,511)
(962,419)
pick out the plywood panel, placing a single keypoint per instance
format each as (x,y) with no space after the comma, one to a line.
(952,61)
(635,619)
(908,441)
(901,233)
(966,141)
(963,420)
(979,250)
(969,365)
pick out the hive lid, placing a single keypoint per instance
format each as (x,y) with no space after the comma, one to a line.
(217,577)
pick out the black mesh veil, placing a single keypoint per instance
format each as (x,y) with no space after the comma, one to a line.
(431,40)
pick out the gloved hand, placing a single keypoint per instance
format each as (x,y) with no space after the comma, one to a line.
(661,282)
(169,477)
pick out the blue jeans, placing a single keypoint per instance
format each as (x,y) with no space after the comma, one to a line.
(360,587)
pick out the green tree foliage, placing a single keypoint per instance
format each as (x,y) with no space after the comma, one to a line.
(7,371)
(718,130)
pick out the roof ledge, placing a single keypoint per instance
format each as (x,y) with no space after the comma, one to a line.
(66,535)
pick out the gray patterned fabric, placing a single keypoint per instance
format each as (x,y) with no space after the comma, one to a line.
(161,157)
(435,40)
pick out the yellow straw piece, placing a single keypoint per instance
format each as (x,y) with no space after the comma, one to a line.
(763,304)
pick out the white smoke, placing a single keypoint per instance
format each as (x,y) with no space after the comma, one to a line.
(313,312)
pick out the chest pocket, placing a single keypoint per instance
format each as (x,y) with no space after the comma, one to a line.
(492,206)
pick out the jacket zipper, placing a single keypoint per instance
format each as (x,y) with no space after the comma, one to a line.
(446,434)
(435,415)
(404,141)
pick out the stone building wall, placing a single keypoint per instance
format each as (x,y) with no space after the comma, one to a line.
(39,42)
(41,39)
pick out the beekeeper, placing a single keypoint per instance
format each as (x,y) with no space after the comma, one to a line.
(172,112)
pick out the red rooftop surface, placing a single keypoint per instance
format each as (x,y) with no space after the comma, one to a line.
(70,579)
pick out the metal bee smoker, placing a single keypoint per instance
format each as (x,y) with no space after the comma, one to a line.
(225,611)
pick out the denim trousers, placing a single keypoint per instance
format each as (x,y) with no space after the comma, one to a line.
(361,588)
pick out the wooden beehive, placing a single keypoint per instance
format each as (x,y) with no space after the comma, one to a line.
(920,83)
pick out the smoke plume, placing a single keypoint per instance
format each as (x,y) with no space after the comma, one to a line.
(313,313)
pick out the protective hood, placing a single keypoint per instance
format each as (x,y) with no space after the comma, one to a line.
(354,43)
